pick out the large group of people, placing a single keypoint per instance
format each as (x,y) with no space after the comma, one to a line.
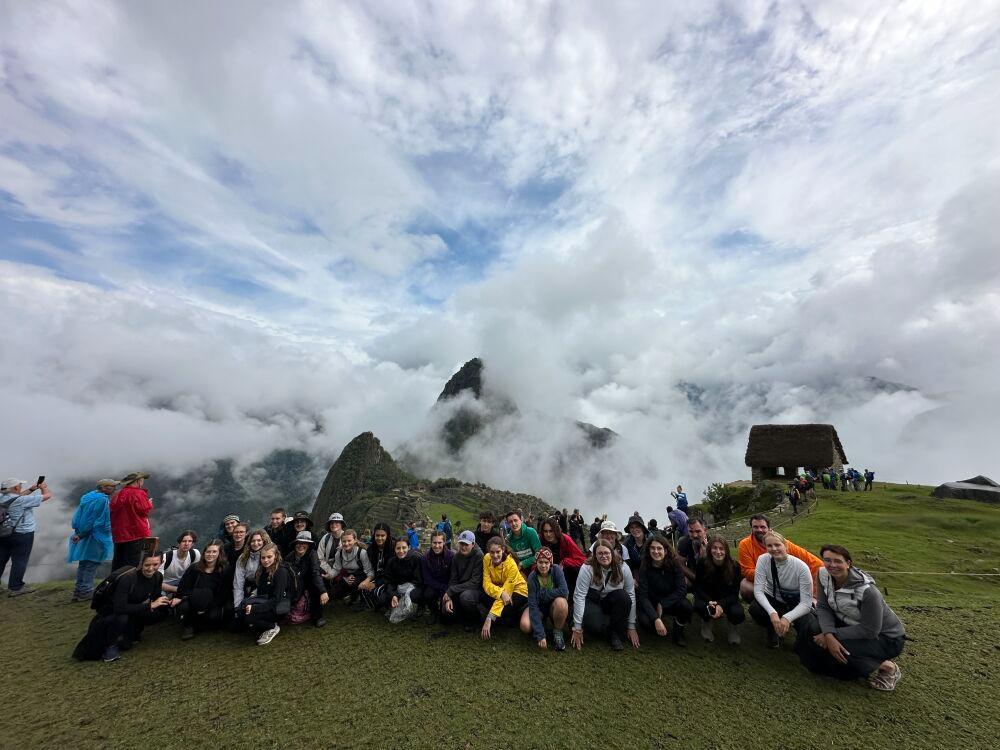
(542,581)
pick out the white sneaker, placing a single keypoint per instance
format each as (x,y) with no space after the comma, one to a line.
(706,630)
(268,635)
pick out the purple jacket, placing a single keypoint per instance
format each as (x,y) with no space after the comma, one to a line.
(436,569)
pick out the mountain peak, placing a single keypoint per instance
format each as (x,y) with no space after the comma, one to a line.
(468,378)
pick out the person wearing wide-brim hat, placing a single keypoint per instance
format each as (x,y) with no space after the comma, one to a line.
(329,543)
(302,557)
(301,522)
(636,535)
(609,532)
(130,510)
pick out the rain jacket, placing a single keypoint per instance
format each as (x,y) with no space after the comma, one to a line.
(130,509)
(92,523)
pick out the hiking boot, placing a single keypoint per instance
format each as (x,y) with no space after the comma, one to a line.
(111,653)
(616,643)
(734,635)
(22,590)
(773,641)
(187,634)
(82,597)
(268,635)
(706,630)
(677,634)
(320,623)
(558,640)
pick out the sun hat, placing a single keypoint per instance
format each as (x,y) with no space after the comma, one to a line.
(610,526)
(11,483)
(304,537)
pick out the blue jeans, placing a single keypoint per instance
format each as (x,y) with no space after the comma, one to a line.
(16,548)
(85,572)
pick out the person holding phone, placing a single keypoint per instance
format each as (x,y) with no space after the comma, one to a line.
(717,591)
(17,536)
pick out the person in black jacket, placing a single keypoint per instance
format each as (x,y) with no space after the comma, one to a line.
(461,599)
(301,521)
(403,578)
(203,591)
(135,601)
(380,552)
(269,602)
(662,590)
(717,590)
(306,563)
(486,530)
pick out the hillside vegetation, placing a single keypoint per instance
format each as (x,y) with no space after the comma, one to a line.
(361,682)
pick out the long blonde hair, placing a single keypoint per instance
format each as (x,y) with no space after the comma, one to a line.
(277,560)
(245,554)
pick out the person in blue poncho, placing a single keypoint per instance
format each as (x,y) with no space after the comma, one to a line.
(91,542)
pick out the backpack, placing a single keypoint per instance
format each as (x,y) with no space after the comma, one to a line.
(106,588)
(6,529)
(169,557)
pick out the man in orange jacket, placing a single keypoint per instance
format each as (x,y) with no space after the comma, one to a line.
(752,547)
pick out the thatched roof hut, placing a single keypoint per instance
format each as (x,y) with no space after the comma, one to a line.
(791,447)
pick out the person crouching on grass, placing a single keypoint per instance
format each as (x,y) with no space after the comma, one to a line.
(403,579)
(262,611)
(604,599)
(203,591)
(505,592)
(548,596)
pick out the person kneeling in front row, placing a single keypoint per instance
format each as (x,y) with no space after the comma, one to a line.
(269,602)
(663,590)
(202,591)
(859,634)
(782,592)
(461,599)
(717,590)
(604,599)
(505,592)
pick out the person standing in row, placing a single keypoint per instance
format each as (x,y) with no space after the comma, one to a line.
(130,509)
(91,542)
(16,544)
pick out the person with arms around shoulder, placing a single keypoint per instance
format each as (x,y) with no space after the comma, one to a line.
(460,600)
(783,589)
(523,541)
(91,544)
(18,534)
(663,590)
(604,600)
(859,634)
(505,592)
(269,603)
(548,596)
(717,590)
(752,547)
(245,566)
(202,592)
(132,602)
(131,507)
(176,561)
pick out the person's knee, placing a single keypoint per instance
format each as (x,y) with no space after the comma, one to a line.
(525,623)
(560,607)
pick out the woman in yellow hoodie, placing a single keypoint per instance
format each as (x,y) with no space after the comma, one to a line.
(505,591)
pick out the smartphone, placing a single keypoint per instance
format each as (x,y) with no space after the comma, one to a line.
(41,479)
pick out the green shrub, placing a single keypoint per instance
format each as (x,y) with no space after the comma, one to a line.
(725,501)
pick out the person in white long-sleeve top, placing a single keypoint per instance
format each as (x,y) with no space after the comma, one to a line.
(783,593)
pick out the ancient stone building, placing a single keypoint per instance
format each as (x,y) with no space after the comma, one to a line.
(792,447)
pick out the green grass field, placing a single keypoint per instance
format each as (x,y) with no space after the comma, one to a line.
(361,682)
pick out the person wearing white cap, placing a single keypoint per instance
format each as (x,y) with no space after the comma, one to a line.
(17,535)
(91,544)
(461,599)
(610,533)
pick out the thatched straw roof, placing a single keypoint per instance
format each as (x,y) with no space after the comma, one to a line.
(812,445)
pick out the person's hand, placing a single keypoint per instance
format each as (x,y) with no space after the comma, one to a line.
(485,632)
(836,649)
(505,597)
(820,640)
(160,601)
(394,603)
(366,585)
(576,639)
(782,627)
(447,605)
(633,638)
(174,602)
(324,598)
(716,610)
(247,610)
(543,644)
(76,538)
(661,629)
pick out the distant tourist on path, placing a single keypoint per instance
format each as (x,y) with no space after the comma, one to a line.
(859,634)
(595,529)
(91,543)
(681,497)
(678,522)
(576,528)
(444,526)
(19,534)
(869,478)
(130,510)
(412,538)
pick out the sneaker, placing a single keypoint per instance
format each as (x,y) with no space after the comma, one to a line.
(772,640)
(558,640)
(320,623)
(268,635)
(187,634)
(677,634)
(111,653)
(885,682)
(616,643)
(706,630)
(22,590)
(734,635)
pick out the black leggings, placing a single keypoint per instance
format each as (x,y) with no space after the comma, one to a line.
(262,616)
(804,626)
(341,588)
(199,610)
(511,614)
(679,610)
(428,596)
(607,615)
(107,628)
(866,654)
(733,609)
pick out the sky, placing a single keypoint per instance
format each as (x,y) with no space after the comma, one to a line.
(232,227)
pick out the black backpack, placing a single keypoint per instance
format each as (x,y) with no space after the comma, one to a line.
(106,588)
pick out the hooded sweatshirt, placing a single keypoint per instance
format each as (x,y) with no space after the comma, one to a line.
(466,573)
(856,610)
(540,595)
(435,570)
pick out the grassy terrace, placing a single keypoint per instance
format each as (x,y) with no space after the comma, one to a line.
(361,682)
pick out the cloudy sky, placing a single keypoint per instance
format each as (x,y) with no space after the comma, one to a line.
(226,228)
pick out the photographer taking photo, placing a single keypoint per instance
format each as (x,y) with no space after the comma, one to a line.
(17,530)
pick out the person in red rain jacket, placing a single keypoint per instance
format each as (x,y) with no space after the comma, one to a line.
(130,509)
